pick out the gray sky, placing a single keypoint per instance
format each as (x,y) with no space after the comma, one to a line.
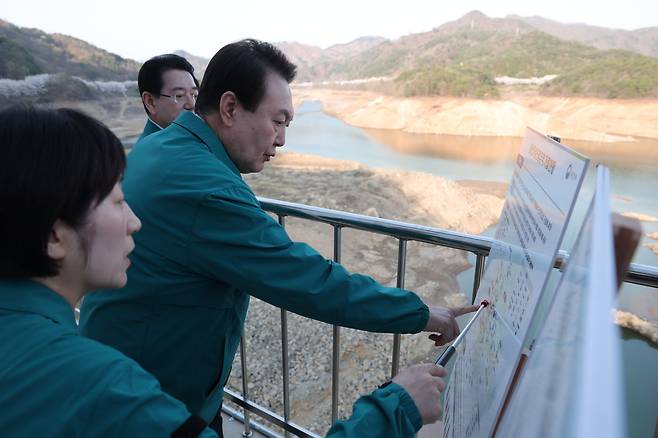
(140,29)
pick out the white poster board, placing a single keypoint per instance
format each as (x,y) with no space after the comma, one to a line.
(546,181)
(571,385)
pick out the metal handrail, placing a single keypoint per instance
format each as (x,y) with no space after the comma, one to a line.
(335,353)
(642,275)
(400,230)
(480,246)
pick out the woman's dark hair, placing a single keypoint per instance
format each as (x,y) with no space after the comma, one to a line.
(55,164)
(241,67)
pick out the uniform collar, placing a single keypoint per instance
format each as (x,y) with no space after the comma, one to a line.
(28,296)
(150,128)
(197,126)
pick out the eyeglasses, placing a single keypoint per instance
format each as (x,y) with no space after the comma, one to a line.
(182,97)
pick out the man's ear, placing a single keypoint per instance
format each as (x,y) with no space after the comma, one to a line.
(59,240)
(228,104)
(149,102)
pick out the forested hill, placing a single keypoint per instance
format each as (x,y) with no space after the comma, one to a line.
(459,58)
(643,41)
(31,51)
(463,58)
(314,63)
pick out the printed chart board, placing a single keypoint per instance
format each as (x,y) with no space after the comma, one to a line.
(571,384)
(546,181)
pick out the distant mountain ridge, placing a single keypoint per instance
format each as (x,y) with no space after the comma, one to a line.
(198,62)
(463,58)
(458,58)
(311,61)
(643,41)
(314,62)
(31,51)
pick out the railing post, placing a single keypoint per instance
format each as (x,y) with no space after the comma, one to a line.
(402,263)
(284,355)
(477,275)
(335,354)
(243,365)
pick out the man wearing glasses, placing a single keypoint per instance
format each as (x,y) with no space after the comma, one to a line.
(167,86)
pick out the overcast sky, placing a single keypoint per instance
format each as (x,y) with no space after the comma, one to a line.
(141,29)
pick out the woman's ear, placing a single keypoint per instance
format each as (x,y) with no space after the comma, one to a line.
(59,240)
(228,105)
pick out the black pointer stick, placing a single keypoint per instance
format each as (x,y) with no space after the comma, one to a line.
(448,352)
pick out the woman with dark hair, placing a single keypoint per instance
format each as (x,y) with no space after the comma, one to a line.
(65,230)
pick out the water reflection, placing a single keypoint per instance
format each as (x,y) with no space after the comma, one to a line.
(455,147)
(489,149)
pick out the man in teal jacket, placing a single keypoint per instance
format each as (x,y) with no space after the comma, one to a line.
(167,86)
(398,408)
(206,244)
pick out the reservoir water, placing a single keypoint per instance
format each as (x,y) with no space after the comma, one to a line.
(634,181)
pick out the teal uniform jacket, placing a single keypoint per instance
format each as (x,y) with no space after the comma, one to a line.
(387,412)
(204,247)
(56,383)
(150,128)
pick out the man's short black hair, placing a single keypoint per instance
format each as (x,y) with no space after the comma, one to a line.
(56,164)
(241,67)
(150,74)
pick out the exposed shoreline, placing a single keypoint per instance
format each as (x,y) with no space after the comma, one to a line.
(598,121)
(646,328)
(653,247)
(596,127)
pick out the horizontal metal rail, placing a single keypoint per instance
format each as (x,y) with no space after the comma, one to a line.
(400,230)
(267,414)
(642,275)
(478,245)
(237,415)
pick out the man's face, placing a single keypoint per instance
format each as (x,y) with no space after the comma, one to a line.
(178,93)
(255,136)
